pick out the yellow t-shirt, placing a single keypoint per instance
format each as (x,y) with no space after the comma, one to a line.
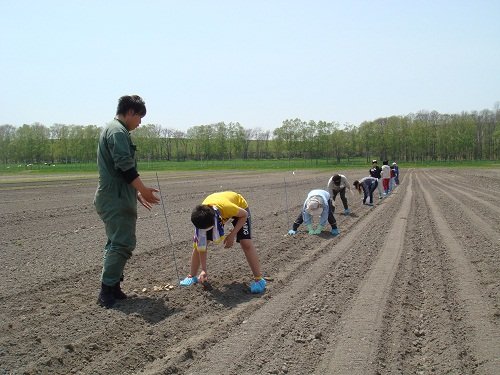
(227,202)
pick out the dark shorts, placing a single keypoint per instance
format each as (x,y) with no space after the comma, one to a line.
(245,233)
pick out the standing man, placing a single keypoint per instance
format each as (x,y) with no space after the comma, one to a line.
(119,189)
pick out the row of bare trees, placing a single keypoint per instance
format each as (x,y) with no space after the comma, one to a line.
(425,136)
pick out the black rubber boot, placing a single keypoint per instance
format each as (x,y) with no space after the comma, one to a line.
(117,292)
(106,296)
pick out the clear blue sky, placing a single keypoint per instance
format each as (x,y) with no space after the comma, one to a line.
(254,62)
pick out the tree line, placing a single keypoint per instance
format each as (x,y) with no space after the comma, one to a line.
(420,137)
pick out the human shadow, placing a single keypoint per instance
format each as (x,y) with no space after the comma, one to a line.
(152,310)
(231,295)
(327,235)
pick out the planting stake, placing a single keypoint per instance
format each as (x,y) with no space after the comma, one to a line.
(168,229)
(286,203)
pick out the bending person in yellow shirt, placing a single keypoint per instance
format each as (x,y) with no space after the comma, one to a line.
(209,219)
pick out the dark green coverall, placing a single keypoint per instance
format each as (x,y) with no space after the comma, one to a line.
(115,199)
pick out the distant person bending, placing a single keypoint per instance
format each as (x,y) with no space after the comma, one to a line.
(368,185)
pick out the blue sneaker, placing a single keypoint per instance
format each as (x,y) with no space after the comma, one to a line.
(347,211)
(258,286)
(335,232)
(188,281)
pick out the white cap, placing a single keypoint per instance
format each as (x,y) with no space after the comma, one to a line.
(314,207)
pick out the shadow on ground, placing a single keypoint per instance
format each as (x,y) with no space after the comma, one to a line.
(152,310)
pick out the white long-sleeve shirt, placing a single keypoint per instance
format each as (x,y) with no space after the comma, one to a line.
(386,171)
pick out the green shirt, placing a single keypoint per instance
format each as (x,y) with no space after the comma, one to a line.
(115,155)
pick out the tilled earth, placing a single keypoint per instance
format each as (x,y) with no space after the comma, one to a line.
(411,286)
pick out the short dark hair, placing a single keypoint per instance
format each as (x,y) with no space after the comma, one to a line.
(131,102)
(202,216)
(336,179)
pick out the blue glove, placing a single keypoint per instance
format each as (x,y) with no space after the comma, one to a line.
(291,232)
(335,232)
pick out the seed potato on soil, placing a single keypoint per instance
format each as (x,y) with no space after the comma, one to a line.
(411,285)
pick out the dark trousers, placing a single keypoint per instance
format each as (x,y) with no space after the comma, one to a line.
(331,219)
(342,197)
(368,189)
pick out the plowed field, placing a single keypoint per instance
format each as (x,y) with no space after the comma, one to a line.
(411,285)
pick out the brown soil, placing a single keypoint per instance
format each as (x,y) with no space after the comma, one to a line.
(411,286)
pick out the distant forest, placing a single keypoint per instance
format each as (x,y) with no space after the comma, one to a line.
(424,136)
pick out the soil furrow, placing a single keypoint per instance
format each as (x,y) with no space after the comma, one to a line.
(487,181)
(51,258)
(485,336)
(418,334)
(488,229)
(252,339)
(473,197)
(357,343)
